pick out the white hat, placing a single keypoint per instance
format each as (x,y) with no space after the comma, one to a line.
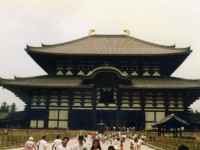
(31,138)
(116,147)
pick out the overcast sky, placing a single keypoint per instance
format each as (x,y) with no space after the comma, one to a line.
(34,22)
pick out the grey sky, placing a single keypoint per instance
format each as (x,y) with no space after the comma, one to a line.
(34,22)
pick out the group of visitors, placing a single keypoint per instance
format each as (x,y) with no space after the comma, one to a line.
(91,142)
(41,145)
(59,144)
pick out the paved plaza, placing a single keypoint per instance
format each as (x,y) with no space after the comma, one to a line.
(72,142)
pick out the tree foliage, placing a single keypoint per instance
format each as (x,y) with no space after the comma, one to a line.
(13,107)
(6,108)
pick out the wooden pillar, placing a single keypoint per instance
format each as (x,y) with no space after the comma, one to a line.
(94,99)
(142,100)
(94,113)
(46,119)
(186,98)
(163,130)
(159,131)
(70,114)
(58,103)
(118,117)
(93,120)
(119,97)
(70,100)
(180,132)
(82,99)
(140,69)
(112,119)
(166,103)
(174,131)
(143,121)
(154,101)
(28,111)
(151,69)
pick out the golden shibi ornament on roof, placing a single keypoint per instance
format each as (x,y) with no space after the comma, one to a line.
(127,32)
(91,32)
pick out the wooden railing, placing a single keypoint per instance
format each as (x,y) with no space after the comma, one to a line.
(170,143)
(20,140)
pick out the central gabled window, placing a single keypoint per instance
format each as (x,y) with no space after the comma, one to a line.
(106,96)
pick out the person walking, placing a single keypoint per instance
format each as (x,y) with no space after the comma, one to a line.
(131,146)
(139,143)
(111,147)
(96,145)
(64,145)
(56,142)
(42,144)
(80,145)
(30,145)
(121,145)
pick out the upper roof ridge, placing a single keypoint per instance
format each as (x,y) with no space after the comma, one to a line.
(83,38)
(63,43)
(108,36)
(102,44)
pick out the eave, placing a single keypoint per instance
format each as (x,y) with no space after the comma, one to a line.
(170,120)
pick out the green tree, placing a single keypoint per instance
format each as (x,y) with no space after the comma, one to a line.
(4,107)
(13,107)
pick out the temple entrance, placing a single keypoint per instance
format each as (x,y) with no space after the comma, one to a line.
(88,119)
(109,117)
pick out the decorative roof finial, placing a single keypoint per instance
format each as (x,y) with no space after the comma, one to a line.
(91,32)
(127,32)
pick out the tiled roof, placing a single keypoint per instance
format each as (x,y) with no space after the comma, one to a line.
(169,118)
(15,115)
(3,115)
(108,45)
(74,82)
(168,82)
(44,81)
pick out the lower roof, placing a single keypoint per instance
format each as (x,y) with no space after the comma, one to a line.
(171,120)
(77,82)
(6,116)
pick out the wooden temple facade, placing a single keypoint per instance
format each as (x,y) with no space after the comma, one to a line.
(117,79)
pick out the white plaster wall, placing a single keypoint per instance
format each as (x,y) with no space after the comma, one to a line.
(149,116)
(53,114)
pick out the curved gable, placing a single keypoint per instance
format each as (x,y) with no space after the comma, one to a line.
(106,75)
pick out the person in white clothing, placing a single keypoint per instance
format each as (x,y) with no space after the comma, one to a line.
(80,145)
(64,145)
(42,144)
(139,144)
(30,145)
(116,143)
(56,142)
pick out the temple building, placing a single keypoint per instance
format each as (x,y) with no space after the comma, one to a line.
(118,79)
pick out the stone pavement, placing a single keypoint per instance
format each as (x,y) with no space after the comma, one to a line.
(72,142)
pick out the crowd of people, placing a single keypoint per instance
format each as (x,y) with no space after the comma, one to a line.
(114,141)
(92,141)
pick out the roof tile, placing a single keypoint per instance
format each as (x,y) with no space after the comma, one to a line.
(108,45)
(70,81)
